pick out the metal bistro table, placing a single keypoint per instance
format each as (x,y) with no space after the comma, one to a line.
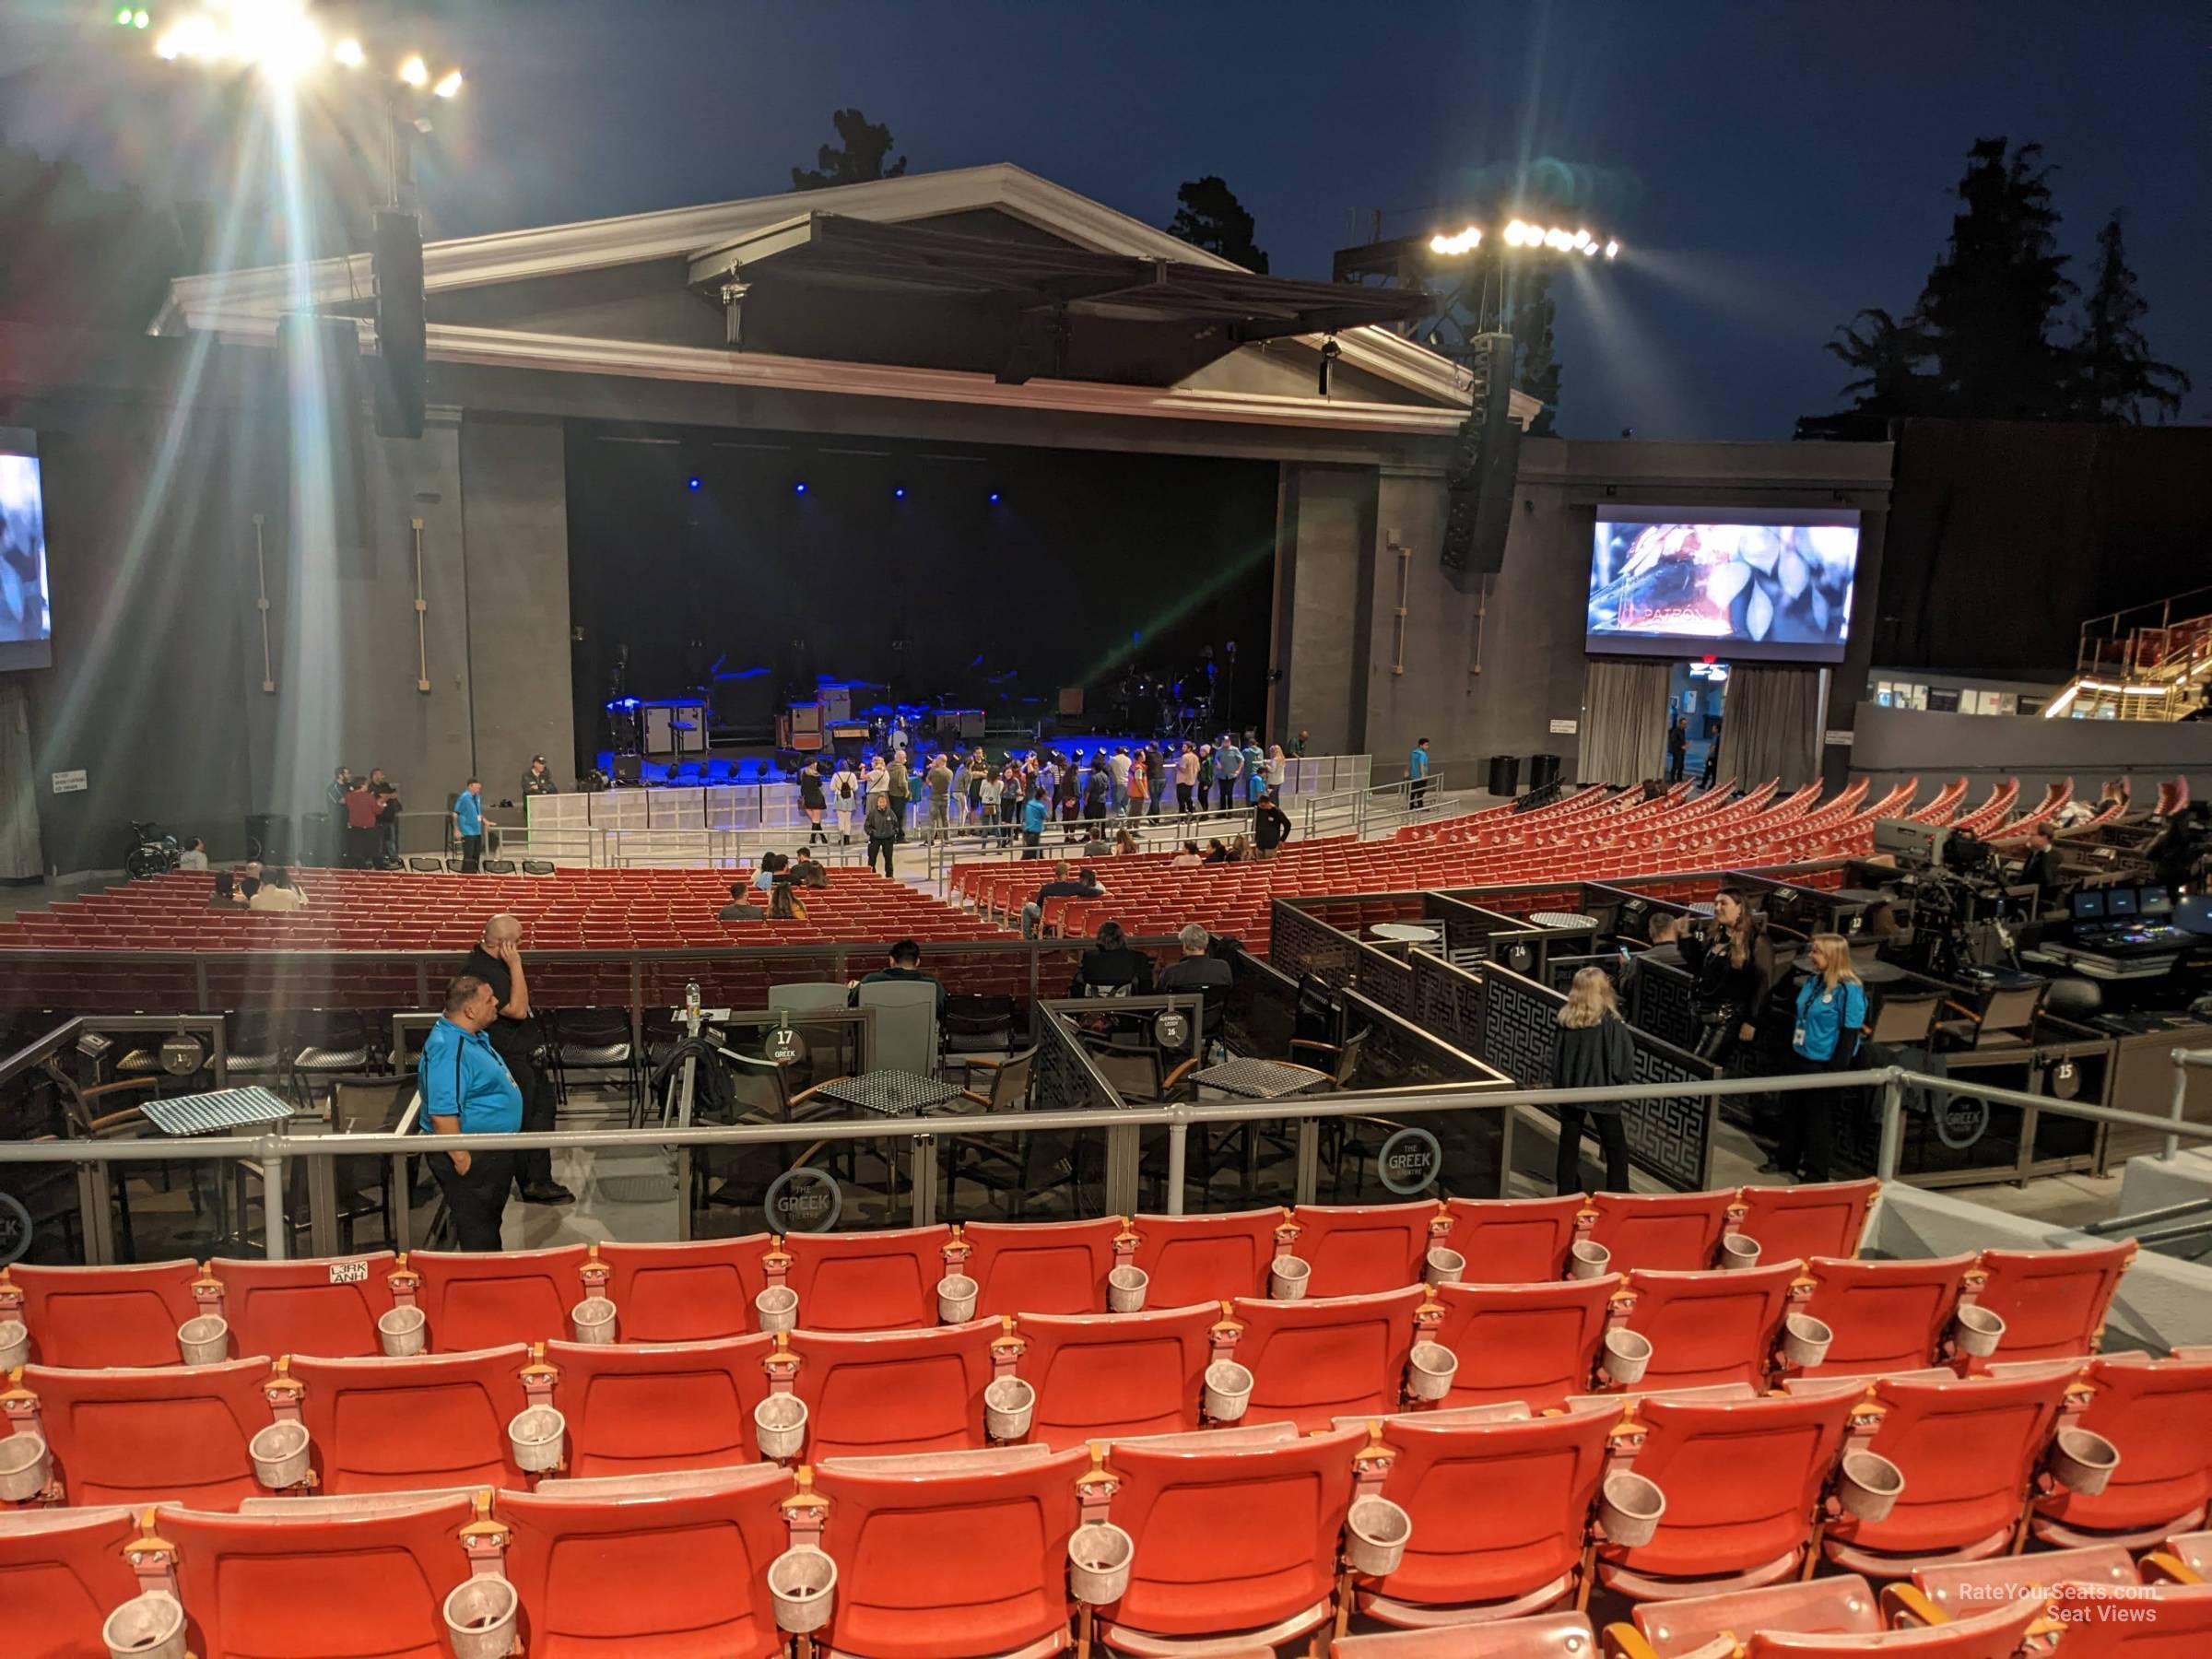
(215,1112)
(890,1093)
(1407,933)
(1562,919)
(1259,1079)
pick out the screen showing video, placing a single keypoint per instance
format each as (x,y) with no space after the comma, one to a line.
(1748,584)
(26,624)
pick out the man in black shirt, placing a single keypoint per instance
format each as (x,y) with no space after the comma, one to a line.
(1270,826)
(905,970)
(1677,750)
(741,907)
(388,809)
(2040,868)
(1086,886)
(516,1038)
(537,781)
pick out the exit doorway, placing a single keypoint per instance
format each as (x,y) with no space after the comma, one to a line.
(1696,694)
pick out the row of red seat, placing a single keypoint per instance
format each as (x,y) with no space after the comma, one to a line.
(1233,1540)
(886,1281)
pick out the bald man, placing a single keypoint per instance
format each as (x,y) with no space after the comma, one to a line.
(516,1038)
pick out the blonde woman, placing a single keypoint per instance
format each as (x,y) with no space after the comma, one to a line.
(1832,1013)
(1592,1049)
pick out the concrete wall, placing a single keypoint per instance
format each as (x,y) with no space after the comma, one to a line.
(1894,744)
(515,521)
(1324,563)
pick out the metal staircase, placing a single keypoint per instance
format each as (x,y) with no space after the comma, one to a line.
(2151,663)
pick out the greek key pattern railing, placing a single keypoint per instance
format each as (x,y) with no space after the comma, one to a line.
(1299,945)
(1387,981)
(1449,1001)
(1668,1138)
(1663,1004)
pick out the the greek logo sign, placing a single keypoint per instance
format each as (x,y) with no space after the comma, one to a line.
(802,1200)
(1409,1160)
(1961,1121)
(785,1046)
(15,1230)
(1172,1030)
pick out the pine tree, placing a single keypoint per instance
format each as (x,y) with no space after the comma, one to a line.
(857,158)
(1211,218)
(2114,374)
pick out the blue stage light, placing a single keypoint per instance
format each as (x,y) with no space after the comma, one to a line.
(799,488)
(692,484)
(900,493)
(994,498)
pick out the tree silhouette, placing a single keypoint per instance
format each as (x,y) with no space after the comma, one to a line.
(1211,218)
(1991,299)
(2115,373)
(865,144)
(1536,371)
(1889,356)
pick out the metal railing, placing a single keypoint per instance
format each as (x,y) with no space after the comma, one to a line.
(1383,807)
(270,1155)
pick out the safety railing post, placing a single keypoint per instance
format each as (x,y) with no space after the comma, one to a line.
(1893,1127)
(275,1226)
(922,1176)
(94,1215)
(1179,1151)
(2177,1110)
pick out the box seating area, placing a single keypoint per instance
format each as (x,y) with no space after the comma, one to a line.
(1595,834)
(1234,1469)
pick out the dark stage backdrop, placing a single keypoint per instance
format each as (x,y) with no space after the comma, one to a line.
(1086,562)
(2005,536)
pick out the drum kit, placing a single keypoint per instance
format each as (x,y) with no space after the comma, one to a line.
(1179,706)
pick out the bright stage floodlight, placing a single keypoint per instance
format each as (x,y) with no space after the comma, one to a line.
(1462,242)
(415,72)
(350,53)
(448,84)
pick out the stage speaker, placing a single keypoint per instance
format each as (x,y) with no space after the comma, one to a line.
(1071,700)
(1485,463)
(628,769)
(322,374)
(401,351)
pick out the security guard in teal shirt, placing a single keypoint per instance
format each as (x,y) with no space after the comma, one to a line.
(468,1089)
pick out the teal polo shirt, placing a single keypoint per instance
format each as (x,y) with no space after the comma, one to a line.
(464,1077)
(468,812)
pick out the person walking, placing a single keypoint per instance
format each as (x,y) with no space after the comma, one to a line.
(883,830)
(1229,767)
(1590,1048)
(1677,750)
(1120,765)
(812,801)
(1034,816)
(1270,826)
(361,825)
(468,825)
(388,808)
(938,780)
(1712,757)
(844,796)
(899,787)
(468,1089)
(984,798)
(1417,774)
(517,1039)
(1831,1018)
(1140,786)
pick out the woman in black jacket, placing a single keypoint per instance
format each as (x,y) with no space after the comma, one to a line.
(1592,1049)
(1112,968)
(1733,964)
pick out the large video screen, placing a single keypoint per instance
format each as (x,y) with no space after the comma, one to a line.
(1747,583)
(26,623)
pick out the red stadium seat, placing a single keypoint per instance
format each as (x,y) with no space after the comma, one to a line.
(87,1317)
(1513,1240)
(62,1572)
(1967,1450)
(1499,1513)
(2171,1621)
(1886,1315)
(1236,1536)
(315,1307)
(2159,1413)
(637,1409)
(1356,1249)
(1742,1480)
(1544,1636)
(371,1583)
(1102,1375)
(872,1281)
(132,1436)
(480,1300)
(879,1394)
(1796,1223)
(1673,1232)
(1206,1258)
(673,1573)
(414,1425)
(1040,1267)
(1316,1360)
(691,1293)
(1536,1343)
(1937,1593)
(1843,1606)
(1710,1327)
(2052,1302)
(956,1555)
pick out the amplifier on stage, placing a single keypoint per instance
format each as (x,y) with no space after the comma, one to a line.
(960,726)
(800,727)
(836,704)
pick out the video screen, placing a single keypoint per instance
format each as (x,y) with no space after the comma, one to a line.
(1757,585)
(2089,905)
(26,624)
(2120,901)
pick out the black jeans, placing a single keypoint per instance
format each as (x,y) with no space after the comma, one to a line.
(476,1199)
(1808,1121)
(1612,1140)
(360,846)
(472,852)
(880,846)
(1182,799)
(533,1167)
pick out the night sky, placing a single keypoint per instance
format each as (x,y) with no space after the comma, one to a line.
(1770,168)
